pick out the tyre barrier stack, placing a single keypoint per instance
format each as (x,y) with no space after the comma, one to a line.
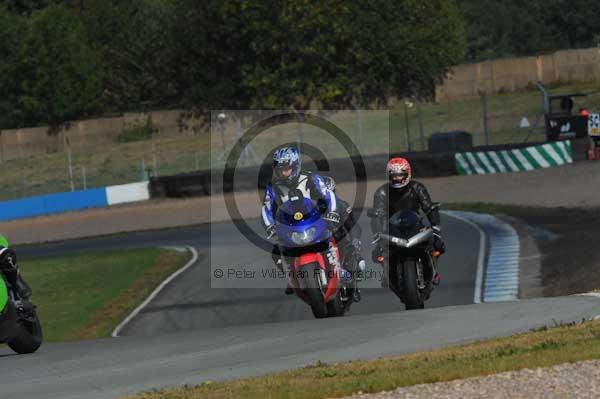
(203,183)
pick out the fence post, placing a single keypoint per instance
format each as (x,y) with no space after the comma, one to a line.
(407,126)
(221,128)
(361,122)
(298,127)
(484,106)
(84,177)
(144,172)
(421,132)
(154,161)
(70,165)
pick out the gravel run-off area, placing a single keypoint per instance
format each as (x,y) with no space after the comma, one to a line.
(577,380)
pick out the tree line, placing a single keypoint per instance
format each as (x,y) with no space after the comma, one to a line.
(507,28)
(62,60)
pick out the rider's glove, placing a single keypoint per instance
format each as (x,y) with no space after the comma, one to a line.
(270,232)
(376,254)
(438,242)
(333,219)
(376,238)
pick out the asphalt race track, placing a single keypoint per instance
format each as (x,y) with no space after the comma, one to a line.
(112,367)
(192,333)
(190,303)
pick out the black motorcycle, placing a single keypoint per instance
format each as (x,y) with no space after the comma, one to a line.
(19,324)
(408,256)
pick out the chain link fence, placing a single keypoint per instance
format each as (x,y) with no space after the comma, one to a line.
(83,167)
(502,119)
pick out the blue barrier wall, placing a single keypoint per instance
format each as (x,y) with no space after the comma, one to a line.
(52,203)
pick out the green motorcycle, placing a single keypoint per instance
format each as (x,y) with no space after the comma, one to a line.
(20,327)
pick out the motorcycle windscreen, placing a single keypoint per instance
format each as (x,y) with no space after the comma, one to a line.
(299,224)
(405,224)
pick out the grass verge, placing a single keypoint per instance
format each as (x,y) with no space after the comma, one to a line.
(540,348)
(84,296)
(172,152)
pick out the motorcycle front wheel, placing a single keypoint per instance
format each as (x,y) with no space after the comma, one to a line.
(314,291)
(412,296)
(30,336)
(335,307)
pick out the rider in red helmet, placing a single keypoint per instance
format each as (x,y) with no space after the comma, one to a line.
(399,193)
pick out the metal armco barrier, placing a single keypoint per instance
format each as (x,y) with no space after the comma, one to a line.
(255,178)
(514,160)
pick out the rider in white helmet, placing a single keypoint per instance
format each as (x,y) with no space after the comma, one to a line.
(288,175)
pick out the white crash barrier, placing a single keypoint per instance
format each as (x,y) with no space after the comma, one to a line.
(124,193)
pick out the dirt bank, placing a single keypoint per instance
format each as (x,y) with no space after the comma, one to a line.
(566,239)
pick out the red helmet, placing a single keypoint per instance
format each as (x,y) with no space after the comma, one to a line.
(399,172)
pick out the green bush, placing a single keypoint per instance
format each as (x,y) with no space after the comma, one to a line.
(137,131)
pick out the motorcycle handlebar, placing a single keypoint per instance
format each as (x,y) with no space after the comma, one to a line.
(411,242)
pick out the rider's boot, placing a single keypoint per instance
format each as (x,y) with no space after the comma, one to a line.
(439,247)
(21,292)
(9,267)
(21,288)
(377,256)
(18,286)
(436,275)
(356,296)
(279,264)
(360,267)
(354,261)
(384,281)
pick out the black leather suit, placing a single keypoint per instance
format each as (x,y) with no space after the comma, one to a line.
(413,196)
(10,269)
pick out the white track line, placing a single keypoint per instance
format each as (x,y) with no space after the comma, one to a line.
(480,257)
(156,291)
(593,294)
(501,280)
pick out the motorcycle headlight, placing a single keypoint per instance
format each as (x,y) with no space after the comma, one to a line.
(305,237)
